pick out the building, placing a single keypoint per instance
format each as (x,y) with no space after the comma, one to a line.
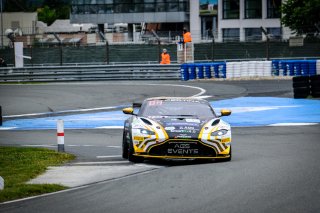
(241,20)
(19,23)
(226,20)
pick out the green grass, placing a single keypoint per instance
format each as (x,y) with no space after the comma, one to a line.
(19,165)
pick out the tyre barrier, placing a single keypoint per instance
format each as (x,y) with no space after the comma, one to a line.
(203,70)
(304,86)
(315,86)
(193,71)
(248,69)
(294,67)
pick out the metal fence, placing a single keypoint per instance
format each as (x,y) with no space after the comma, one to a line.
(90,73)
(149,53)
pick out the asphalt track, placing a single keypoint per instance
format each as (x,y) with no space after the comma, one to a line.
(274,168)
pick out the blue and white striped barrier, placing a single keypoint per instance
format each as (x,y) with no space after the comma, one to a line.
(193,71)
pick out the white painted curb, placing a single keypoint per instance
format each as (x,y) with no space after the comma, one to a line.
(1,183)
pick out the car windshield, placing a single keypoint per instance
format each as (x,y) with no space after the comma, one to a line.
(184,108)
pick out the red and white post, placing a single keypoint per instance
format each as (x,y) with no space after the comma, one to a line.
(60,135)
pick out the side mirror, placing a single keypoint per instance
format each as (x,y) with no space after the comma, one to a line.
(225,112)
(128,111)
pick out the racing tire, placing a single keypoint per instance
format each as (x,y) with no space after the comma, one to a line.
(125,147)
(300,84)
(315,93)
(131,157)
(301,92)
(302,79)
(315,86)
(315,78)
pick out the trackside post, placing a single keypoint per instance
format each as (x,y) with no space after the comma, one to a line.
(0,116)
(60,135)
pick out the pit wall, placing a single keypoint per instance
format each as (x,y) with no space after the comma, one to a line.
(192,71)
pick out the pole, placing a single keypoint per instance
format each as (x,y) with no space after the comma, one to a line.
(0,116)
(1,25)
(268,41)
(60,46)
(60,135)
(212,48)
(159,51)
(107,51)
(185,52)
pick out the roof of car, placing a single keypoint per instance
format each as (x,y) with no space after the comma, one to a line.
(176,98)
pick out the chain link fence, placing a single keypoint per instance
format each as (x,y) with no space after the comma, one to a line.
(72,50)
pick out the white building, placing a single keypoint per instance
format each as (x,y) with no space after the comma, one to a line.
(19,22)
(236,20)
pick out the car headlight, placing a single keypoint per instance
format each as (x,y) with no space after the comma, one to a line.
(145,132)
(219,132)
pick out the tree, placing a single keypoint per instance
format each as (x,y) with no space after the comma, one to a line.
(47,15)
(301,16)
(54,9)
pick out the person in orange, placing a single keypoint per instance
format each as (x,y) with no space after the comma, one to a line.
(186,36)
(165,57)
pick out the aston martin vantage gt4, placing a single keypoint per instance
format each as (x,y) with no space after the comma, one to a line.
(175,128)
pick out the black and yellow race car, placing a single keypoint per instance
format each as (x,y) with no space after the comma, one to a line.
(175,128)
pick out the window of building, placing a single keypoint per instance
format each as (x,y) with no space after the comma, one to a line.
(127,6)
(231,9)
(275,33)
(253,34)
(231,34)
(253,9)
(273,9)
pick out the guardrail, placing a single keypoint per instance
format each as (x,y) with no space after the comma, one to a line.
(91,73)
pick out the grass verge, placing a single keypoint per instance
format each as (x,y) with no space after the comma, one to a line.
(19,165)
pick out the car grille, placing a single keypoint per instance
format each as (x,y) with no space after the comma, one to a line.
(182,148)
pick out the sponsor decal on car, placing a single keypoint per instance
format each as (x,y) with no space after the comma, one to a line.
(192,120)
(183,149)
(181,124)
(138,138)
(170,128)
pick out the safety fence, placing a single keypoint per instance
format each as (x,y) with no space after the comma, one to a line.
(90,73)
(193,71)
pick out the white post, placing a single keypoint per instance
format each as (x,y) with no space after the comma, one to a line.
(1,183)
(60,135)
(18,53)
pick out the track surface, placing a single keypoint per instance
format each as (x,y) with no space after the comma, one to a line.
(274,169)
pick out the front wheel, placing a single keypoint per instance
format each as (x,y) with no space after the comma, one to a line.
(124,146)
(131,157)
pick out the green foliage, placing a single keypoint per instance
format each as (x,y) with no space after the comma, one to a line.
(19,165)
(47,15)
(301,16)
(54,9)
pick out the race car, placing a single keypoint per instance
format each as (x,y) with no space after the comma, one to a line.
(175,128)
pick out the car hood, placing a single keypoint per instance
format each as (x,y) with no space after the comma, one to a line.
(181,127)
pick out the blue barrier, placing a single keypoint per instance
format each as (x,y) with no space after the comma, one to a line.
(312,67)
(192,71)
(203,70)
(223,70)
(208,70)
(294,67)
(199,70)
(219,69)
(275,67)
(184,72)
